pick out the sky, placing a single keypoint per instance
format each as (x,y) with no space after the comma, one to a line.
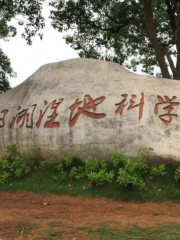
(26,59)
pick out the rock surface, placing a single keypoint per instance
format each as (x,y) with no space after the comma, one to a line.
(92,108)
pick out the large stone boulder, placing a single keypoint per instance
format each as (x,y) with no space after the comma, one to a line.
(91,108)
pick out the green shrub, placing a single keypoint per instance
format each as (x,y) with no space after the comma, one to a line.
(77,172)
(177,174)
(104,165)
(42,165)
(91,165)
(11,152)
(158,170)
(19,167)
(61,176)
(127,173)
(12,165)
(133,174)
(97,172)
(118,160)
(5,173)
(101,177)
(32,156)
(69,160)
(15,168)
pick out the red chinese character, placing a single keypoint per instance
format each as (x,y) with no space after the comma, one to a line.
(5,111)
(54,106)
(122,104)
(22,117)
(51,123)
(88,104)
(167,117)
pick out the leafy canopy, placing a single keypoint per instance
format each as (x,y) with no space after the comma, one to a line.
(28,13)
(132,32)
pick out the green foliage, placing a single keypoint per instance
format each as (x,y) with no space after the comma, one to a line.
(12,149)
(15,168)
(158,170)
(5,72)
(101,177)
(61,173)
(133,174)
(177,174)
(33,154)
(4,171)
(118,160)
(97,172)
(42,166)
(13,165)
(66,168)
(77,172)
(19,167)
(91,165)
(27,14)
(69,159)
(118,173)
(130,33)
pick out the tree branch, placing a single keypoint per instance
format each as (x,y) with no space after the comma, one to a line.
(2,3)
(178,40)
(171,63)
(137,24)
(95,24)
(147,9)
(171,15)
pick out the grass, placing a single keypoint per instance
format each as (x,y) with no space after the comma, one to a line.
(41,181)
(17,230)
(105,232)
(52,234)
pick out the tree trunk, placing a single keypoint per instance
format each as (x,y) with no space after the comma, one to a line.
(152,36)
(171,63)
(178,43)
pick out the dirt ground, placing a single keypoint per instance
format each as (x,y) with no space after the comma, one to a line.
(24,215)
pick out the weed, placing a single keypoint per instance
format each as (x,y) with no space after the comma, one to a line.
(42,166)
(69,159)
(77,173)
(158,170)
(52,234)
(105,232)
(177,174)
(157,213)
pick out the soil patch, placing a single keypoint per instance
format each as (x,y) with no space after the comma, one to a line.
(24,215)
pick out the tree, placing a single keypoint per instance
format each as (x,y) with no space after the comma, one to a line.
(28,13)
(132,32)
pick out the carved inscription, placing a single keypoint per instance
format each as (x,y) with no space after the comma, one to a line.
(24,116)
(132,104)
(88,104)
(46,117)
(50,123)
(2,119)
(169,104)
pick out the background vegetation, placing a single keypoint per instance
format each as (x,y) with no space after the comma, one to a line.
(132,33)
(119,178)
